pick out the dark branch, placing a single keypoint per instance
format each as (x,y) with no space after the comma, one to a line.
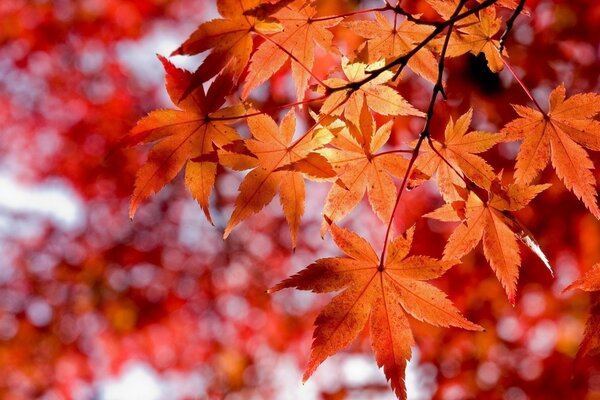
(403,60)
(510,23)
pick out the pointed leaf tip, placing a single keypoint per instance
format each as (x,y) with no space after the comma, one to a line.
(307,374)
(132,210)
(530,242)
(176,52)
(327,222)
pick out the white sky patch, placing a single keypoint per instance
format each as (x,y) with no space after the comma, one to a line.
(352,371)
(163,38)
(140,56)
(140,381)
(137,381)
(53,199)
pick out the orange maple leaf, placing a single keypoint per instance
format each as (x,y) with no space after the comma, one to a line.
(185,137)
(379,97)
(510,4)
(590,282)
(229,40)
(459,152)
(361,169)
(381,291)
(387,41)
(298,37)
(273,148)
(473,34)
(446,8)
(492,222)
(559,136)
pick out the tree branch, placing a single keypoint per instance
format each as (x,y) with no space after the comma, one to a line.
(509,24)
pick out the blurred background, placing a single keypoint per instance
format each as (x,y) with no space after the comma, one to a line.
(95,306)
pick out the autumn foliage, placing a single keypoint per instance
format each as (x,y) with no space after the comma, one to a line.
(342,146)
(405,134)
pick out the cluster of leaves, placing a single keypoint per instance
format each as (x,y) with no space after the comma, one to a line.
(349,148)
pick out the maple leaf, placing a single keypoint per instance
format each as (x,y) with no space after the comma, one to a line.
(379,97)
(267,8)
(229,40)
(510,4)
(361,169)
(459,151)
(185,137)
(492,222)
(273,148)
(446,8)
(381,291)
(590,282)
(298,37)
(559,136)
(386,41)
(473,34)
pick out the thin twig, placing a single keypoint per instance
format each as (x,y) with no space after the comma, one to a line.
(409,17)
(403,60)
(509,24)
(514,74)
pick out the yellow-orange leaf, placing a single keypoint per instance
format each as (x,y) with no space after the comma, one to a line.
(382,292)
(492,223)
(473,34)
(362,169)
(560,137)
(387,41)
(273,147)
(380,98)
(314,165)
(459,150)
(511,4)
(229,40)
(297,38)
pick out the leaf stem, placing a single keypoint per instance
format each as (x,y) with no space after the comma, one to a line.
(514,74)
(271,109)
(392,152)
(430,142)
(438,88)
